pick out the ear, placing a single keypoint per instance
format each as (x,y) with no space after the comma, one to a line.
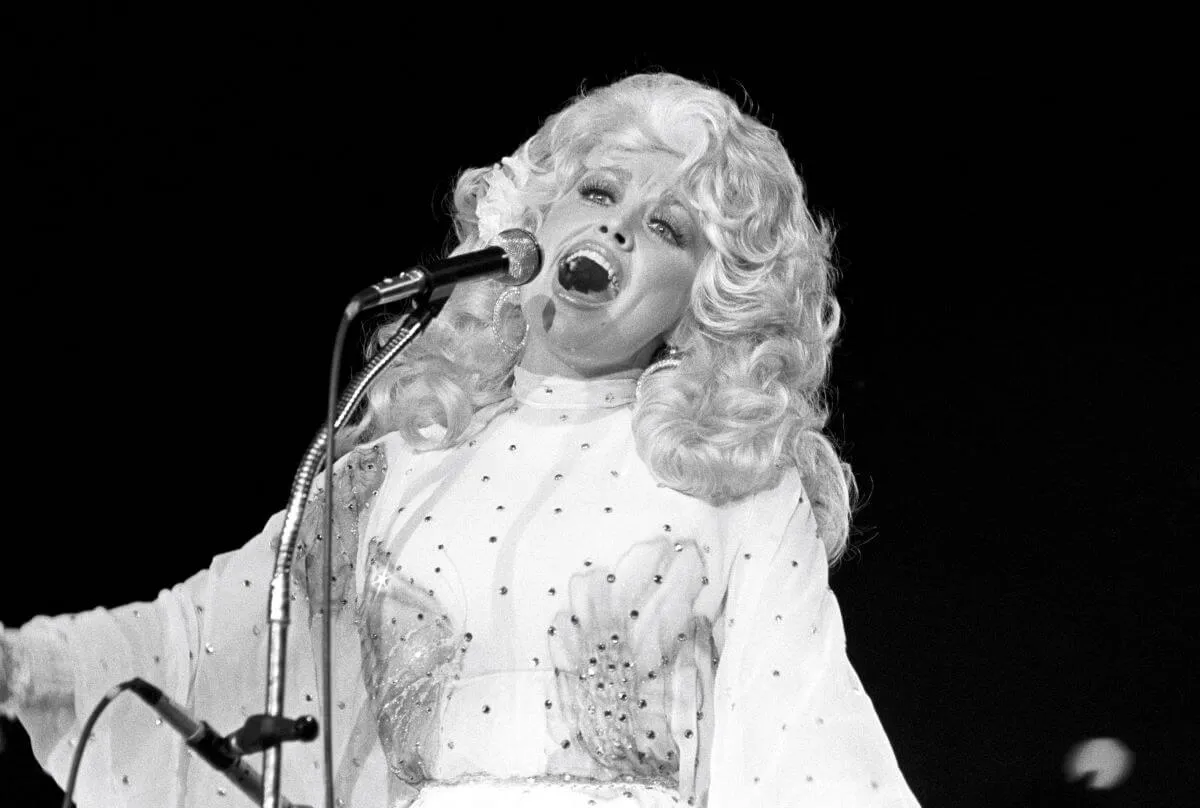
(674,335)
(662,349)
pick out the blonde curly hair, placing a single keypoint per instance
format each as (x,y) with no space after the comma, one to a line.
(748,399)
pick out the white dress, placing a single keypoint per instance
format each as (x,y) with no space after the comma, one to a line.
(527,619)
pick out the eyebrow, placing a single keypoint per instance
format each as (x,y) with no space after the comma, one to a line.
(624,174)
(670,196)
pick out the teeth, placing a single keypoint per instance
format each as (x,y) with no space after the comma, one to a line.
(600,259)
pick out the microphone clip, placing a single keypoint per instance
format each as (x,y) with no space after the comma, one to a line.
(264,731)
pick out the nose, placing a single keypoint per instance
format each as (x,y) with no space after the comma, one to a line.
(615,231)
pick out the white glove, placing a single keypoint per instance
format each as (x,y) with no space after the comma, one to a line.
(5,664)
(35,670)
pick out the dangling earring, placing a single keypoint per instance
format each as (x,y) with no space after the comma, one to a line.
(667,357)
(508,295)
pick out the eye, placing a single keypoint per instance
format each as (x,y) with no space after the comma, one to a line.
(597,192)
(666,229)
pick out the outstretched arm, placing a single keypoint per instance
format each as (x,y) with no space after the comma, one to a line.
(52,666)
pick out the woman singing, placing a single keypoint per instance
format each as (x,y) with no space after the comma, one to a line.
(582,538)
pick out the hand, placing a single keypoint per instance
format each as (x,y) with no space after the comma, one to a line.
(5,662)
(36,670)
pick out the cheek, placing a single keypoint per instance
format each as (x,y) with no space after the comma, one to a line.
(558,218)
(676,278)
(667,298)
(548,225)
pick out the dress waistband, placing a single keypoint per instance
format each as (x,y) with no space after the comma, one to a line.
(545,791)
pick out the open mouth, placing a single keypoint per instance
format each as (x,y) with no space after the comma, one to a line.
(588,276)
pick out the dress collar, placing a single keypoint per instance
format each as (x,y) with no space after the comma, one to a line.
(558,392)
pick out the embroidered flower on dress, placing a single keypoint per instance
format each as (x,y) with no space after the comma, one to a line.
(410,652)
(614,650)
(354,486)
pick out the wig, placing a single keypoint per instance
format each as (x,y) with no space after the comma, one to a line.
(748,399)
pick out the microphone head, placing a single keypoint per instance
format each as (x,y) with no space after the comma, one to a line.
(524,256)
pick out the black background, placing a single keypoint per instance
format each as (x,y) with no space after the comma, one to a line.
(196,199)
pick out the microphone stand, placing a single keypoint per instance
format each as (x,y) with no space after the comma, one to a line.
(280,600)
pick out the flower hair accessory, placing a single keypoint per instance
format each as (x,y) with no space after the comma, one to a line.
(501,207)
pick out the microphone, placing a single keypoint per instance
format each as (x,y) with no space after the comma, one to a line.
(514,252)
(222,754)
(201,737)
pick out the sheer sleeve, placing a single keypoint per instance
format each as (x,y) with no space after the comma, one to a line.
(204,643)
(793,725)
(82,655)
